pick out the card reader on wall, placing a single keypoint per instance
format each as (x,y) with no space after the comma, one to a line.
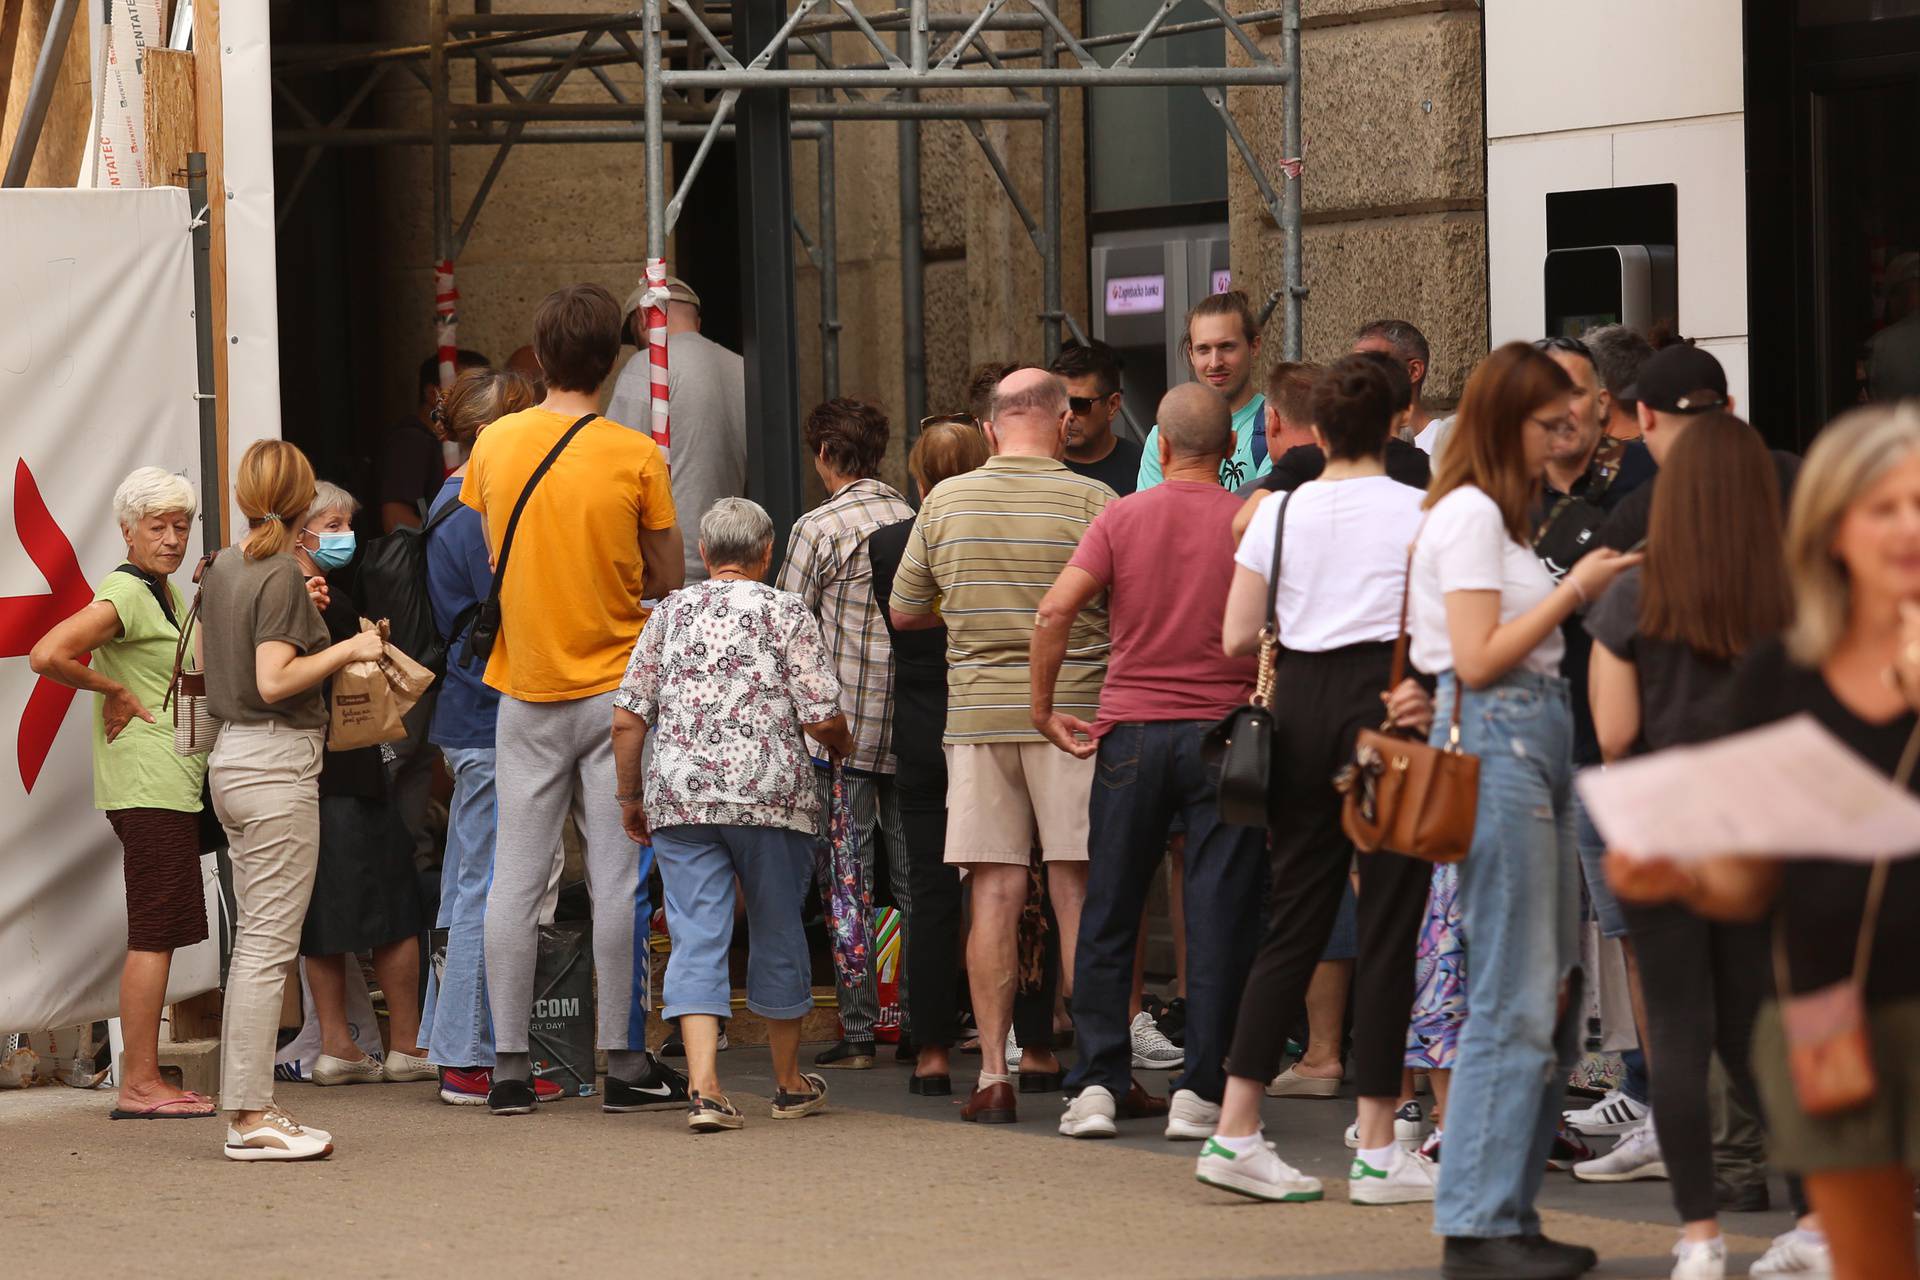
(1600,284)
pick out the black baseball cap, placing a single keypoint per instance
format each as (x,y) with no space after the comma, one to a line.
(1681,378)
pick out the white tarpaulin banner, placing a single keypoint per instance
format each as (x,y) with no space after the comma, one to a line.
(253,308)
(97,365)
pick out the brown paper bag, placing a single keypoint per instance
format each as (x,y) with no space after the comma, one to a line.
(370,698)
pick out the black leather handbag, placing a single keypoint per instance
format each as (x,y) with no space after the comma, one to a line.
(1242,743)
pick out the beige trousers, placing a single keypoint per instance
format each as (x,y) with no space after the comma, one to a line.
(265,780)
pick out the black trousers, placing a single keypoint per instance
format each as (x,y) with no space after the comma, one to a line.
(1702,983)
(933,932)
(1322,700)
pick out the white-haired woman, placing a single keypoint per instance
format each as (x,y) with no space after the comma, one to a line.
(728,673)
(1851,660)
(366,893)
(150,794)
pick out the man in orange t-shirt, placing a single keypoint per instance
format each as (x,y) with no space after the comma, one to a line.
(597,536)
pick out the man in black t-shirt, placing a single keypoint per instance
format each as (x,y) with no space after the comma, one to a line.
(410,468)
(1092,375)
(1296,459)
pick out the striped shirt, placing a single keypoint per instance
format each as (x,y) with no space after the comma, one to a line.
(985,548)
(827,566)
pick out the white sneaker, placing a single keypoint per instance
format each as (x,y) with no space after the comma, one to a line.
(400,1068)
(1089,1114)
(313,1131)
(1635,1156)
(1013,1051)
(1259,1173)
(1802,1254)
(1152,1051)
(276,1137)
(328,1069)
(1615,1113)
(1409,1128)
(1407,1179)
(1700,1260)
(1190,1117)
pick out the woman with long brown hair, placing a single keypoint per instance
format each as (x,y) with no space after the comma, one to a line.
(266,653)
(1669,633)
(1485,618)
(1851,660)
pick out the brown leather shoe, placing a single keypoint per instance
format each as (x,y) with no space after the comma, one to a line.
(1141,1105)
(991,1105)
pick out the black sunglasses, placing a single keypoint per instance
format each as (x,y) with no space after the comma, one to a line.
(1084,404)
(1573,345)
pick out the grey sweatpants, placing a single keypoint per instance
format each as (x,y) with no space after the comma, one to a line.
(552,757)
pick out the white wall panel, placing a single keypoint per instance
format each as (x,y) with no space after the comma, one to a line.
(1519,176)
(1707,162)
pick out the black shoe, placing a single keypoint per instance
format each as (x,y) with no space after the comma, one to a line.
(1172,1020)
(937,1086)
(846,1055)
(511,1098)
(1042,1081)
(1512,1258)
(1752,1198)
(906,1052)
(660,1089)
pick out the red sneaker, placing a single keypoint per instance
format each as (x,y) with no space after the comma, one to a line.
(467,1087)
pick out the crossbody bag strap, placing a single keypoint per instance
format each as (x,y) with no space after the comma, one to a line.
(513,521)
(1402,640)
(1270,630)
(1876,893)
(180,648)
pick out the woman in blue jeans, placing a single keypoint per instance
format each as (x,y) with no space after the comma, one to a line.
(728,675)
(1485,617)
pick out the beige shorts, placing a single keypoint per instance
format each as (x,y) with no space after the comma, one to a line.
(1000,794)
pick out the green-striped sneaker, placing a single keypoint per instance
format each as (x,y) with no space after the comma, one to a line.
(1408,1179)
(1259,1173)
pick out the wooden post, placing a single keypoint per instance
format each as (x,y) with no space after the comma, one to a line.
(170,115)
(208,138)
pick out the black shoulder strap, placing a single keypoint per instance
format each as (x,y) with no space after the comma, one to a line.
(153,585)
(513,521)
(1273,578)
(452,505)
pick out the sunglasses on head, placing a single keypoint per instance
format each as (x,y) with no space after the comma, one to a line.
(941,419)
(1560,343)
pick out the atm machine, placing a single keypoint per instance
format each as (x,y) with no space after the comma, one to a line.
(1143,285)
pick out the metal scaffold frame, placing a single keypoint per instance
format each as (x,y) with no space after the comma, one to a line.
(696,68)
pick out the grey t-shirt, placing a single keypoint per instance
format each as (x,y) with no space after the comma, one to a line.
(1682,692)
(243,604)
(707,390)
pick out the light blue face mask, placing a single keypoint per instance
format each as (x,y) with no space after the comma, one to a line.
(335,549)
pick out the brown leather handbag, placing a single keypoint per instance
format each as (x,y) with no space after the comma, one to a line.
(1402,795)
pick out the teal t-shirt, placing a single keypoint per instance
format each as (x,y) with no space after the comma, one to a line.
(139,769)
(1248,422)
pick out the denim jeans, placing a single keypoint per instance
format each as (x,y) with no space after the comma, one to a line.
(1520,911)
(699,867)
(458,1021)
(876,816)
(1146,774)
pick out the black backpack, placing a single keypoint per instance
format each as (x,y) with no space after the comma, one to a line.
(393,585)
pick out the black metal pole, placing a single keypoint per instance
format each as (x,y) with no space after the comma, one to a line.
(764,152)
(212,480)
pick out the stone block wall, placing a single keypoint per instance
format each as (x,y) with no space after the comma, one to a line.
(1394,187)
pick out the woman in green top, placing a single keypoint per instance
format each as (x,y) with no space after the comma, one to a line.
(150,794)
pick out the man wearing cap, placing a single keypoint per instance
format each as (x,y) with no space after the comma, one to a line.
(707,392)
(1676,385)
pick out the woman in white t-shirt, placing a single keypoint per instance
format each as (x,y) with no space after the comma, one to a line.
(1337,583)
(1486,619)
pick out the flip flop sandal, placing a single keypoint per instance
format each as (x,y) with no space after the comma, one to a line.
(159,1110)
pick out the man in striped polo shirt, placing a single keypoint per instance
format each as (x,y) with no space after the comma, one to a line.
(985,549)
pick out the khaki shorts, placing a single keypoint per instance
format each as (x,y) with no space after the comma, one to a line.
(1885,1131)
(999,794)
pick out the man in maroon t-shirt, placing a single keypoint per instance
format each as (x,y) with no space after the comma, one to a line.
(1164,557)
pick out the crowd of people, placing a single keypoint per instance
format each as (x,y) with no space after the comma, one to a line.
(1004,692)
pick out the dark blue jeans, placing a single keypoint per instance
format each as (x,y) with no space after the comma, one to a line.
(1148,773)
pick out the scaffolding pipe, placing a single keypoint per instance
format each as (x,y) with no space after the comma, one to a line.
(53,47)
(870,109)
(656,170)
(829,266)
(1293,340)
(1000,78)
(913,280)
(1050,197)
(803,131)
(442,163)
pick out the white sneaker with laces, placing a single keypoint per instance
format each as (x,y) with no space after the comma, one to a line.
(1190,1117)
(328,1069)
(1801,1254)
(1152,1051)
(1407,1179)
(1259,1173)
(1615,1113)
(1700,1260)
(1409,1128)
(275,1137)
(275,1109)
(1090,1114)
(1635,1156)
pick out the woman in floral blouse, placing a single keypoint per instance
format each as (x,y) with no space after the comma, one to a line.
(727,674)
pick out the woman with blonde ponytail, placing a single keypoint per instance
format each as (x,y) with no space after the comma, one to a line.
(266,653)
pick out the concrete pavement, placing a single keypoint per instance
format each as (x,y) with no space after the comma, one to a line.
(882,1182)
